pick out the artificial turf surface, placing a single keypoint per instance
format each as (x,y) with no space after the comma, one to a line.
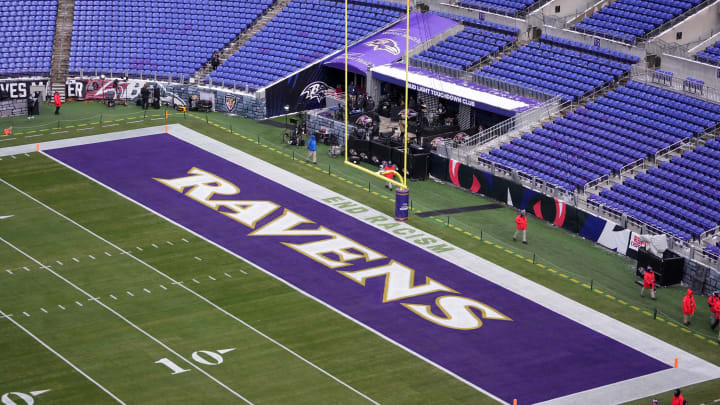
(554,258)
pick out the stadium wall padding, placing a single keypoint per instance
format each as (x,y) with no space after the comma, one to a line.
(305,90)
(555,211)
(226,101)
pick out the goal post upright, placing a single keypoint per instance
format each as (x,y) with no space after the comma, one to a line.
(398,179)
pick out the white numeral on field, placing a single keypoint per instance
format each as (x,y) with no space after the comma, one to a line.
(12,398)
(206,357)
(172,366)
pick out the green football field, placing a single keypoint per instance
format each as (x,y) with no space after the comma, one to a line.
(111,303)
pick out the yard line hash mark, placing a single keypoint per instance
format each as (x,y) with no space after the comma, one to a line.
(127,321)
(51,350)
(179,284)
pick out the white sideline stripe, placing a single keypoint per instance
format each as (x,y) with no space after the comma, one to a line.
(37,339)
(181,285)
(127,321)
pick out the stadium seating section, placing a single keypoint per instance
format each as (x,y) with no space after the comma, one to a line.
(679,197)
(505,7)
(466,48)
(482,24)
(26,38)
(710,55)
(627,20)
(628,124)
(714,249)
(560,67)
(155,37)
(306,30)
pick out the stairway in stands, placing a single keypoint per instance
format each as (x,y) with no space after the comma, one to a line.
(61,46)
(241,39)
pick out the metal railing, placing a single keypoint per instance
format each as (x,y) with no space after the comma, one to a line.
(519,122)
(491,83)
(644,75)
(675,20)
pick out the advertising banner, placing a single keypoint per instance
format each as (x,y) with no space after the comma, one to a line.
(20,88)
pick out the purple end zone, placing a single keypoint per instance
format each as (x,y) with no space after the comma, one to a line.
(537,356)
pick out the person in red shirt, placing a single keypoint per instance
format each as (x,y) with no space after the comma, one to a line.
(648,282)
(712,299)
(521,226)
(688,305)
(58,102)
(677,398)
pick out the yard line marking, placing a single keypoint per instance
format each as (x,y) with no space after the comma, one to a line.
(9,272)
(133,122)
(199,296)
(228,276)
(169,243)
(130,294)
(76,260)
(78,303)
(6,139)
(105,126)
(184,240)
(163,287)
(107,254)
(127,321)
(138,248)
(243,272)
(155,246)
(44,310)
(26,153)
(198,259)
(26,269)
(26,314)
(33,136)
(58,132)
(61,307)
(196,282)
(58,262)
(147,291)
(113,297)
(91,257)
(211,278)
(80,129)
(63,358)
